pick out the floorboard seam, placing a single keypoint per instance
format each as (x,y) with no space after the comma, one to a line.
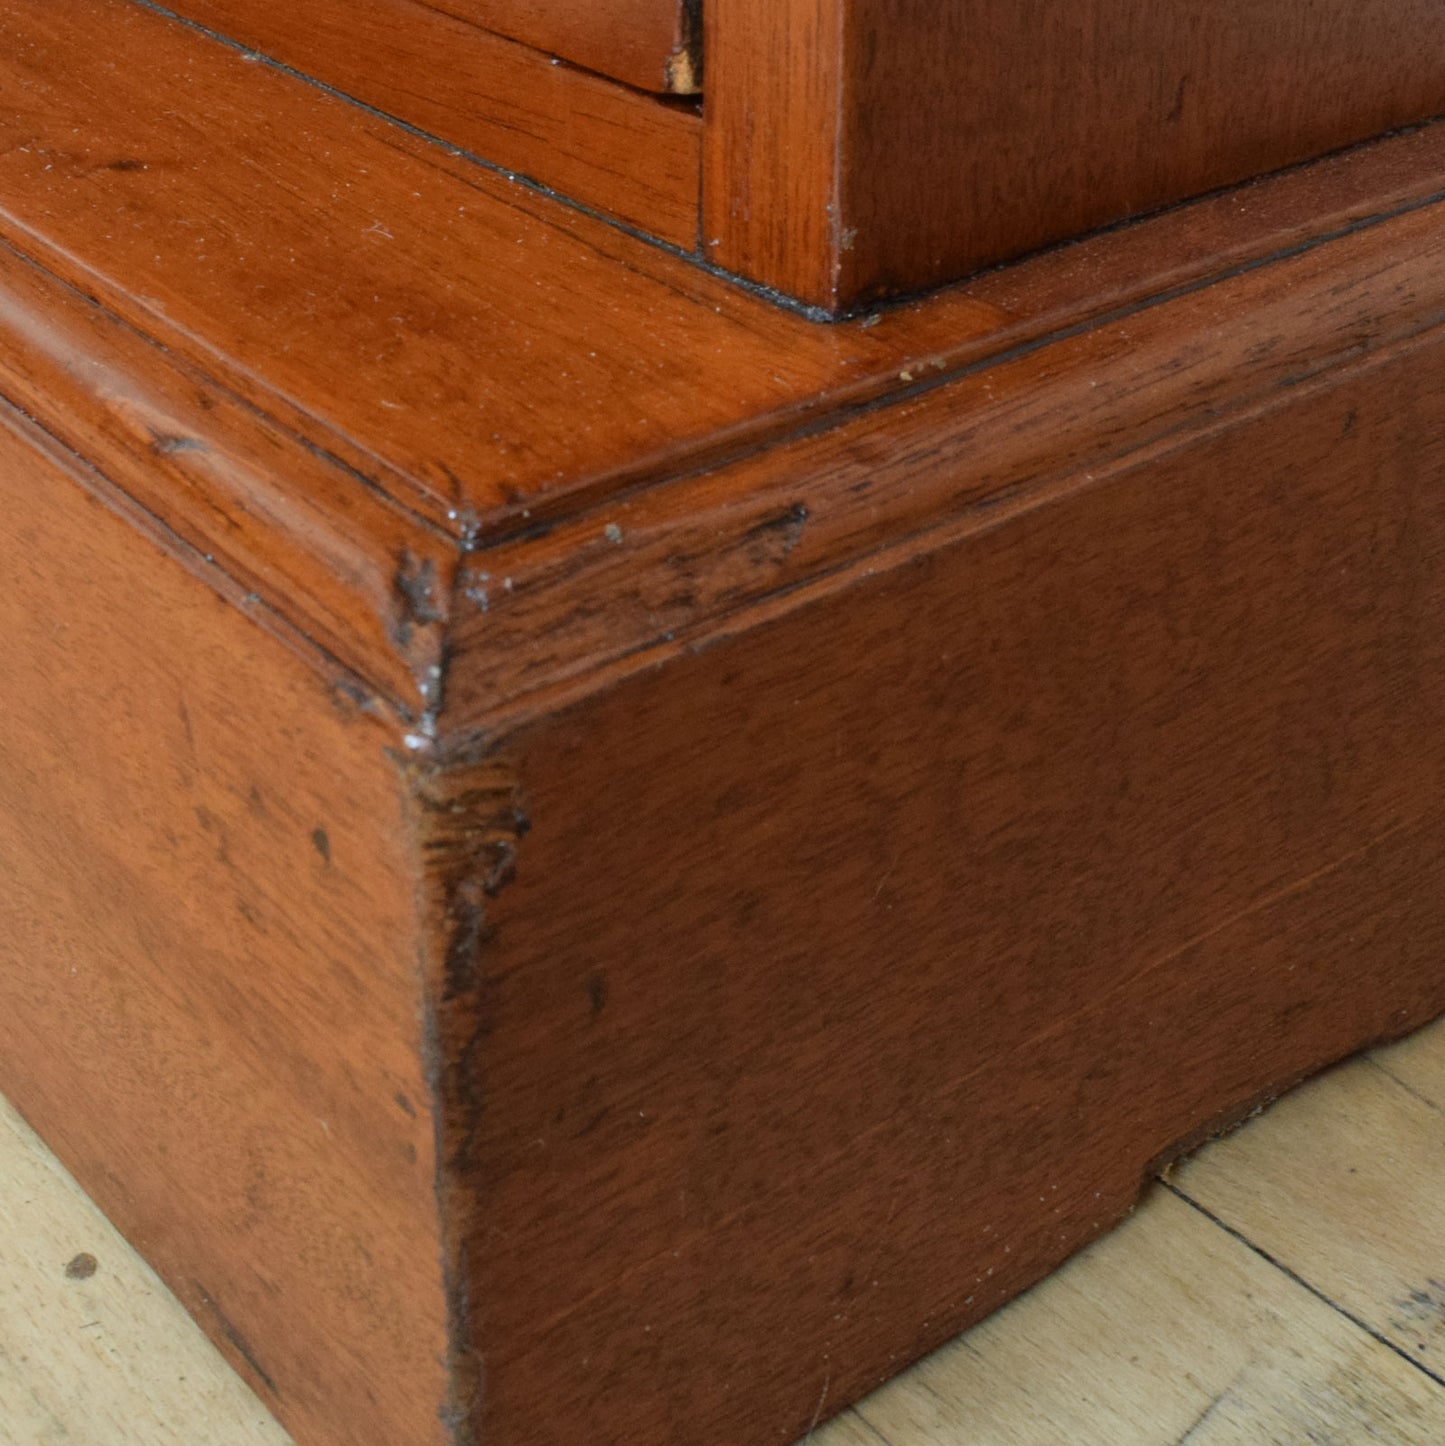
(1304,1284)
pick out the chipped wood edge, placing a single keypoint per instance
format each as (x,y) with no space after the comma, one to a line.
(469,818)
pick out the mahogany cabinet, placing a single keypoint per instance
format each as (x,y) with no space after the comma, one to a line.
(588,857)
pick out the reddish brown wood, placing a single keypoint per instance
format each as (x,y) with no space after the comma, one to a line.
(643,577)
(211,1004)
(861,148)
(390,268)
(946,893)
(772,154)
(632,156)
(594,819)
(654,44)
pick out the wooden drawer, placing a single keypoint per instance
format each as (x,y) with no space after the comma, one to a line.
(652,44)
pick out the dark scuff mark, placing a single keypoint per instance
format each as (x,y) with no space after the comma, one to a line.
(471,823)
(322,840)
(1176,113)
(404,1104)
(775,537)
(82,1266)
(185,715)
(416,586)
(232,1334)
(126,163)
(597,990)
(167,444)
(593,1123)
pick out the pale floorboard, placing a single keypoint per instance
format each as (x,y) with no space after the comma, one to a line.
(1287,1286)
(102,1358)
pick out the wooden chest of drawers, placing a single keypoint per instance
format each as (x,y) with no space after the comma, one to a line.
(590,858)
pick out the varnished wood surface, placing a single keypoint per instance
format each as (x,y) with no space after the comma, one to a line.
(1030,698)
(652,44)
(771,205)
(859,148)
(1178,1322)
(211,1009)
(1001,826)
(627,155)
(480,355)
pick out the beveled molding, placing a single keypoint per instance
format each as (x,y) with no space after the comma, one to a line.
(462,621)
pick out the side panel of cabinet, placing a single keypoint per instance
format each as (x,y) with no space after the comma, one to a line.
(209,992)
(856,967)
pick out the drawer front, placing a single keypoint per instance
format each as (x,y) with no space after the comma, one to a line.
(652,44)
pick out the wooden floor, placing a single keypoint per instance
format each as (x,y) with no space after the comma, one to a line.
(1287,1285)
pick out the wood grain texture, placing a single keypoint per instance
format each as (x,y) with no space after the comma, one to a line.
(1212,729)
(623,153)
(772,158)
(377,297)
(653,44)
(901,144)
(1031,699)
(210,989)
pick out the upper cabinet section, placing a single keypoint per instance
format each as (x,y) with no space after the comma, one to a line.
(651,44)
(842,152)
(859,149)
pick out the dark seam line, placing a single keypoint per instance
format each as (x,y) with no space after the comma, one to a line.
(595,500)
(1300,1281)
(857,1412)
(672,99)
(623,263)
(766,293)
(1390,1075)
(254,601)
(185,363)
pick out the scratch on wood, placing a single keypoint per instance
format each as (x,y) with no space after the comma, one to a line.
(1200,1420)
(232,1333)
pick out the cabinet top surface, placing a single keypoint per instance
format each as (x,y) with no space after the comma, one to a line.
(499,351)
(426,349)
(497,354)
